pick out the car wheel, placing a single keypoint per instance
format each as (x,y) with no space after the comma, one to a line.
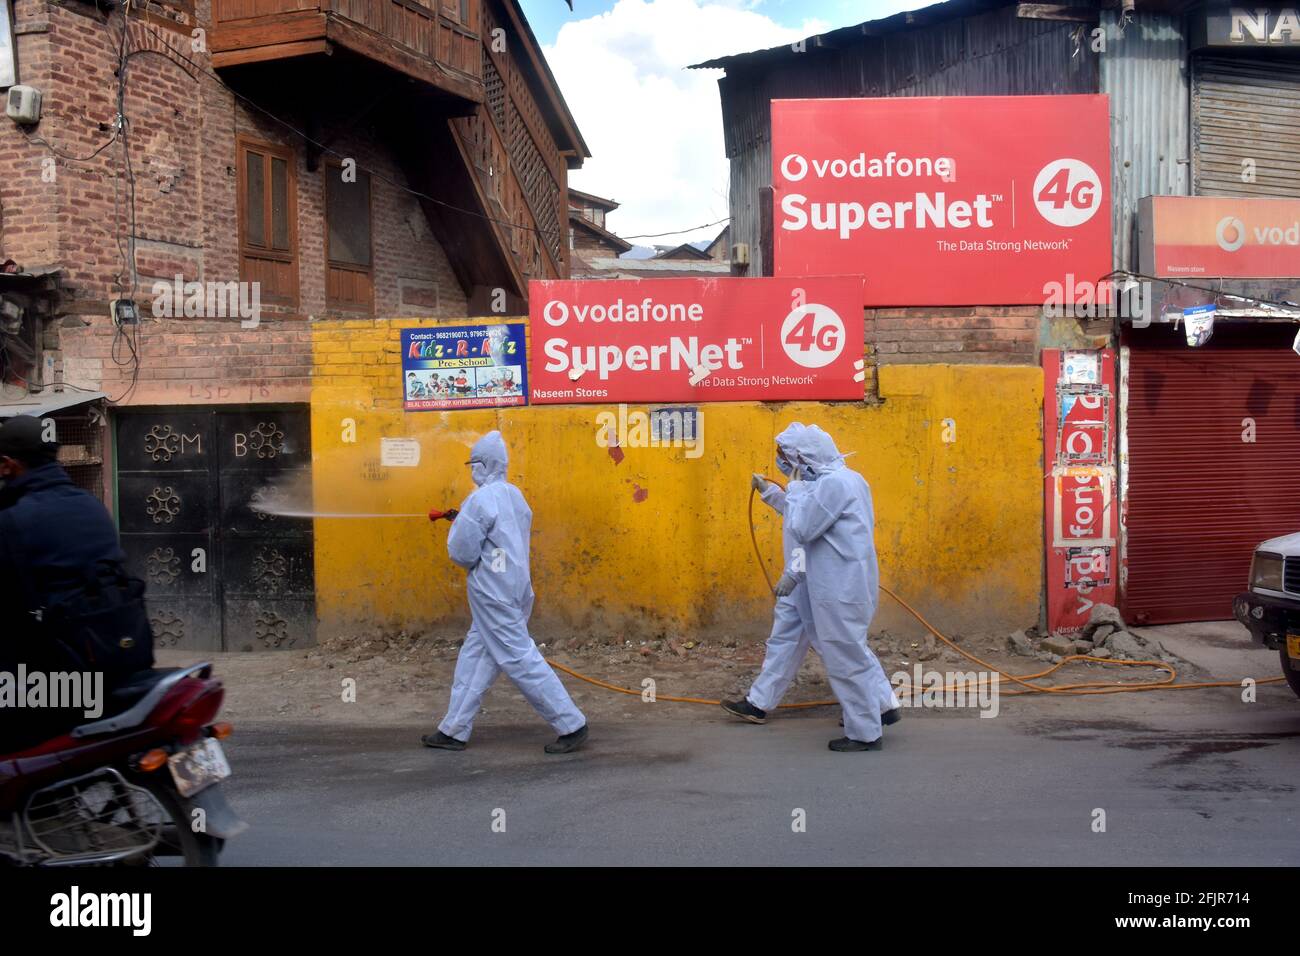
(1292,672)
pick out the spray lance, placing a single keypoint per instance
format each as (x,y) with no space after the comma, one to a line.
(449,514)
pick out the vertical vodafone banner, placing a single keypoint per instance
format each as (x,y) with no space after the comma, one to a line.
(696,340)
(970,200)
(1080,507)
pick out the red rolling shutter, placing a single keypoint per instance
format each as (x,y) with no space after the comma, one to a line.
(1200,498)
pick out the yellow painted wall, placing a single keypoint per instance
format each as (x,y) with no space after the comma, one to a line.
(959,526)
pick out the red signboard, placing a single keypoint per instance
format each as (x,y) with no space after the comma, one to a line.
(1219,236)
(696,340)
(1081,507)
(972,200)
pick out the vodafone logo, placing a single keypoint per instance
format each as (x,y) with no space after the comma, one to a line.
(1067,192)
(555,313)
(1230,225)
(813,336)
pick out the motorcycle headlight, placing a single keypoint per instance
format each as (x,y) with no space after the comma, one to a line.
(1266,571)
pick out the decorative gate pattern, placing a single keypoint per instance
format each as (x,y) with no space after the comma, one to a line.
(222,575)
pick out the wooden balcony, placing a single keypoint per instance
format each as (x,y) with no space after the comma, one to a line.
(434,41)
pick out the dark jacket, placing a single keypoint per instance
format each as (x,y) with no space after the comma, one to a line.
(51,532)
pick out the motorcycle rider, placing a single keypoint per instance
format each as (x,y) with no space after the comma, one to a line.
(51,534)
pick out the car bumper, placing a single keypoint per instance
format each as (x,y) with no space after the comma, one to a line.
(1268,618)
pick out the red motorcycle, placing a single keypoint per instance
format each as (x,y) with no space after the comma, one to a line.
(138,784)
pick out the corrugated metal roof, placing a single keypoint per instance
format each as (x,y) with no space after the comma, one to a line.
(602,268)
(846,36)
(911,19)
(992,52)
(46,403)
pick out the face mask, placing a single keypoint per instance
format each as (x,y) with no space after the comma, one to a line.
(478,471)
(785,466)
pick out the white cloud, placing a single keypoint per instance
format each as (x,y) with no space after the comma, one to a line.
(655,128)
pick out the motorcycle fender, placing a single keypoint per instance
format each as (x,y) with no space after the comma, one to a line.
(222,821)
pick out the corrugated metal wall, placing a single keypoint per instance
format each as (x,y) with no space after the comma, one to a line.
(1247,109)
(1145,72)
(993,53)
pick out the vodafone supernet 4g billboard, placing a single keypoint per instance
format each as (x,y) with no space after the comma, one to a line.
(972,200)
(696,340)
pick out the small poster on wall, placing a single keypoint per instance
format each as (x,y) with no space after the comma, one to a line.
(463,366)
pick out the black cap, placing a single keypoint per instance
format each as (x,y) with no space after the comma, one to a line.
(23,438)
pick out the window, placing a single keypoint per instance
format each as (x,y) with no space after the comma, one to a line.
(268,226)
(8,65)
(457,10)
(349,282)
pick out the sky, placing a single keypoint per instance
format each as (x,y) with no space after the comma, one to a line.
(653,127)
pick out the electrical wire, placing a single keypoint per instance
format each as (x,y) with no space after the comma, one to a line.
(678,232)
(128,338)
(1217,293)
(75,159)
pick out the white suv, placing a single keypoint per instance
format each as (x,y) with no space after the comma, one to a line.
(1271,608)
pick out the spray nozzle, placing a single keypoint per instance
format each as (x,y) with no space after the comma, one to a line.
(449,514)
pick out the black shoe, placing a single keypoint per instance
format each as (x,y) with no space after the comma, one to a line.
(568,743)
(845,745)
(745,711)
(441,741)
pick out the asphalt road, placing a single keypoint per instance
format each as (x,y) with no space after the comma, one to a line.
(1183,778)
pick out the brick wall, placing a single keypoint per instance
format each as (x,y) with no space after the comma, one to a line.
(28,183)
(363,357)
(980,334)
(183,124)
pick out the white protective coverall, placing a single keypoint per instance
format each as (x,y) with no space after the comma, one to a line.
(792,623)
(490,539)
(793,628)
(832,519)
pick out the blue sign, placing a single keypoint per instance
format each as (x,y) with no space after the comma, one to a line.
(463,366)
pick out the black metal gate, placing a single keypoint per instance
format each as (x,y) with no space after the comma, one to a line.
(222,575)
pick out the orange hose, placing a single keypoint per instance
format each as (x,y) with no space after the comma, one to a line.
(1081,689)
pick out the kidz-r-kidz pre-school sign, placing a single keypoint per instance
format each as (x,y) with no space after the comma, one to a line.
(463,366)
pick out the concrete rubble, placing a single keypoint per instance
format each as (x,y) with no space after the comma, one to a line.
(1105,636)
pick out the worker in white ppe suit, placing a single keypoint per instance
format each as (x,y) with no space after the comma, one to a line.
(830,515)
(793,627)
(490,539)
